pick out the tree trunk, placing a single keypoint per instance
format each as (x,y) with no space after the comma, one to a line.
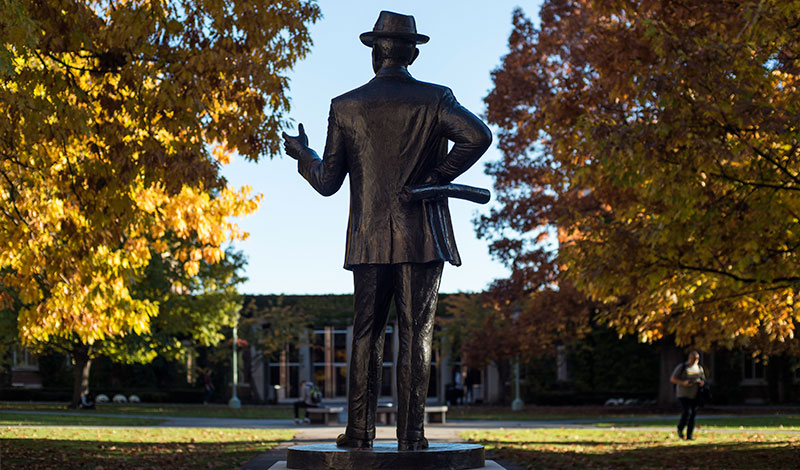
(83,364)
(671,356)
(504,371)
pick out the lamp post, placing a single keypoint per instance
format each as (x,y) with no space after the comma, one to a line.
(234,402)
(517,404)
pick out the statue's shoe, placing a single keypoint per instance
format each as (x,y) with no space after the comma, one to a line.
(345,441)
(419,444)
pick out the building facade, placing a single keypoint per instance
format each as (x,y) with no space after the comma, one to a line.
(323,358)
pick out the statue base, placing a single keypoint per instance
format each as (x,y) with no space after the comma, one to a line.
(439,456)
(490,465)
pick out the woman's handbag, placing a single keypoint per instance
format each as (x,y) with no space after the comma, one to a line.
(704,394)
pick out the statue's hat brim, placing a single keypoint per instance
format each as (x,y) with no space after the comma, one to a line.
(394,25)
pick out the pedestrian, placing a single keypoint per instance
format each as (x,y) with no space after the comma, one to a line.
(87,402)
(688,377)
(309,398)
(208,386)
(473,377)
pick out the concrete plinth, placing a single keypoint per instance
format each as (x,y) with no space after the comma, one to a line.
(488,465)
(439,456)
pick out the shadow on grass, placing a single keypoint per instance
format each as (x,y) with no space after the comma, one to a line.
(506,443)
(22,419)
(24,454)
(183,411)
(773,454)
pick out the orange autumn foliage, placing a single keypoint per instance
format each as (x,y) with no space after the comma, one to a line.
(661,137)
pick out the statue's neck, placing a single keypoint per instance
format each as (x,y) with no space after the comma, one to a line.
(393,70)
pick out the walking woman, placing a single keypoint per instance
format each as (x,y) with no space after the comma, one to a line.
(689,376)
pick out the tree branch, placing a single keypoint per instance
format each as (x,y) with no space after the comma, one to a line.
(669,263)
(13,199)
(755,183)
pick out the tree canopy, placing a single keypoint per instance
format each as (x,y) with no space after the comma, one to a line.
(659,143)
(191,316)
(118,115)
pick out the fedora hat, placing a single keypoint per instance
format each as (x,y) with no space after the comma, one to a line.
(394,25)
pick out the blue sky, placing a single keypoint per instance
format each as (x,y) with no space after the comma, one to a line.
(297,237)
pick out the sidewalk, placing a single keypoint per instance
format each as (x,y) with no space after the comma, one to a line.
(452,426)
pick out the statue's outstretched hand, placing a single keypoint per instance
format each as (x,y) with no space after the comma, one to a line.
(296,146)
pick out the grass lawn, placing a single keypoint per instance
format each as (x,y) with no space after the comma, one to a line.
(123,448)
(22,419)
(554,413)
(557,449)
(492,413)
(781,422)
(193,411)
(545,413)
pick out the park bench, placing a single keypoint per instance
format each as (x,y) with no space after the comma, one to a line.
(436,414)
(324,415)
(433,414)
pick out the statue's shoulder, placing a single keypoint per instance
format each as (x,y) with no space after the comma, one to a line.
(351,95)
(376,89)
(434,87)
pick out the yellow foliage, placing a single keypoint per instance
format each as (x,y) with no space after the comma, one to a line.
(110,109)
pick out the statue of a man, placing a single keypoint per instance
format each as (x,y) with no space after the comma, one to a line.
(390,134)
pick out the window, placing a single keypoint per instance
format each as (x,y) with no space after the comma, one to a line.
(284,371)
(386,381)
(294,381)
(318,373)
(294,353)
(562,369)
(329,361)
(318,346)
(388,346)
(318,377)
(275,374)
(433,381)
(338,369)
(341,381)
(24,359)
(340,346)
(753,371)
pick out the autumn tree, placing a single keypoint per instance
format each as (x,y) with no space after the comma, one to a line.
(475,331)
(490,328)
(193,311)
(659,141)
(117,117)
(273,324)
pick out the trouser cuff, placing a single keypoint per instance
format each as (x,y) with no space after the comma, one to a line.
(411,435)
(364,435)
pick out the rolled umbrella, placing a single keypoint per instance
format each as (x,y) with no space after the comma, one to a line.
(458,191)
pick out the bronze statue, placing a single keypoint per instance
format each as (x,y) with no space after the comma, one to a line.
(391,136)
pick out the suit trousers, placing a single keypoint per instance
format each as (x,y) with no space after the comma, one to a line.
(415,288)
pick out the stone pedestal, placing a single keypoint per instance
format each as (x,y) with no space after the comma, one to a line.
(490,465)
(385,456)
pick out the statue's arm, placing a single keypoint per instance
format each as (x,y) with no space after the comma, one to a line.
(471,138)
(325,175)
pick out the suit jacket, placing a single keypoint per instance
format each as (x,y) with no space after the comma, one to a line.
(387,134)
